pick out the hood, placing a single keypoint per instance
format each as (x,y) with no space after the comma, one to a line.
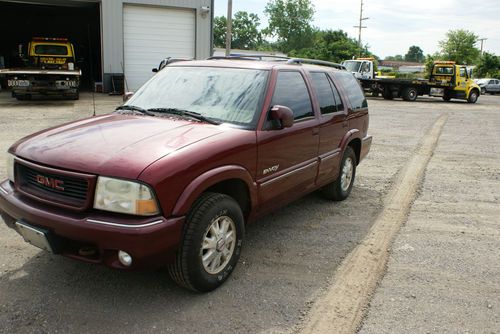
(115,145)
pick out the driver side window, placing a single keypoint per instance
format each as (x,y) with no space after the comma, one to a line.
(291,91)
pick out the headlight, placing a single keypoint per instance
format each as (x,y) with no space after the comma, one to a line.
(10,167)
(125,197)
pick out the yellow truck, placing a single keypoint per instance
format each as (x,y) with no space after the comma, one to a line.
(49,69)
(446,79)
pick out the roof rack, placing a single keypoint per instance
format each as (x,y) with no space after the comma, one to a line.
(315,62)
(288,60)
(245,56)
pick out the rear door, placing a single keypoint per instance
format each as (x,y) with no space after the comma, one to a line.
(288,158)
(333,125)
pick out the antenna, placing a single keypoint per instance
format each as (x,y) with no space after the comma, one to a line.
(360,26)
(92,82)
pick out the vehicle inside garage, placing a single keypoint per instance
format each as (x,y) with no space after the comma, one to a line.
(78,21)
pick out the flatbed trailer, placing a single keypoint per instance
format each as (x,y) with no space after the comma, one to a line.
(410,89)
(446,80)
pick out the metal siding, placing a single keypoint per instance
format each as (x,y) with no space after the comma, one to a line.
(162,32)
(112,30)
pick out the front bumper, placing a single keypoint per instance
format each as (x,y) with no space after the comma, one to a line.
(97,236)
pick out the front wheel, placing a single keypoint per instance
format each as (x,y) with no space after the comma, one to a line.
(211,246)
(340,189)
(473,95)
(483,91)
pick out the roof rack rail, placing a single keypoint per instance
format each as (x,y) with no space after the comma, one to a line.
(288,60)
(245,56)
(315,62)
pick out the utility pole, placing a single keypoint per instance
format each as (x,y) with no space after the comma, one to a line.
(360,26)
(229,27)
(482,40)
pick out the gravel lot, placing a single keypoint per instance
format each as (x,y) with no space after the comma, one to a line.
(443,270)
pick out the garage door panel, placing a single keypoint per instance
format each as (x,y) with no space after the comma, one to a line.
(152,34)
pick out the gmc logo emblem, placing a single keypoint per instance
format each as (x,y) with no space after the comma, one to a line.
(50,182)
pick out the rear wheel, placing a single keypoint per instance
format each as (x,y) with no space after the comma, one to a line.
(446,98)
(211,244)
(387,94)
(410,94)
(340,189)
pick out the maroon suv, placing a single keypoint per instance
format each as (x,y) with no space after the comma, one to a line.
(173,176)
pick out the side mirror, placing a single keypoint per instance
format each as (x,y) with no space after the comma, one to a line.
(154,70)
(127,96)
(282,114)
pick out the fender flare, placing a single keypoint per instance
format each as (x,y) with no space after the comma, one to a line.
(210,178)
(348,137)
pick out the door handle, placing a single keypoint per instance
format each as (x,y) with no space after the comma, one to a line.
(344,124)
(315,131)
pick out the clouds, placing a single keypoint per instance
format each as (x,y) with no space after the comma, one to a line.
(395,25)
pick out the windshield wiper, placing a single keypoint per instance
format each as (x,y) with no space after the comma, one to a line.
(135,108)
(182,112)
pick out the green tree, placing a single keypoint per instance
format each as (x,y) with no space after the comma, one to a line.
(460,46)
(290,22)
(415,54)
(220,26)
(246,34)
(330,45)
(394,58)
(488,66)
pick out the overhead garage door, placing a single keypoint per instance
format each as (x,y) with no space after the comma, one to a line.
(152,34)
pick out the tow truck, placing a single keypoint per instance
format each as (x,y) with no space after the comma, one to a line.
(446,80)
(49,69)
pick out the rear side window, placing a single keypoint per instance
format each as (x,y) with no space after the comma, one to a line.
(291,91)
(353,89)
(328,97)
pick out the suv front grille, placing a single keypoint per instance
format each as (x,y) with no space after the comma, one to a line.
(57,188)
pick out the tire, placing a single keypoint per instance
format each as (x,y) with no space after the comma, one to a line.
(446,98)
(483,91)
(387,94)
(340,189)
(211,213)
(473,95)
(410,94)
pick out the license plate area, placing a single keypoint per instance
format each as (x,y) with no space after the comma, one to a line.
(18,83)
(36,236)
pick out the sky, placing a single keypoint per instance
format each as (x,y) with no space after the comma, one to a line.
(395,25)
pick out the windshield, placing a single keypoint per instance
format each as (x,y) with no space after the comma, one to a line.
(46,49)
(352,65)
(482,81)
(230,95)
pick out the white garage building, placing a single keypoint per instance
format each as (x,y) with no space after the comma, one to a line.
(115,39)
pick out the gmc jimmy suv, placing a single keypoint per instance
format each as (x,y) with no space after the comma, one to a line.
(172,177)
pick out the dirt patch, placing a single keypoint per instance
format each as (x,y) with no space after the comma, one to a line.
(343,305)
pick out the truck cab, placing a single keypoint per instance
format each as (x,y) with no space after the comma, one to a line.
(51,53)
(457,80)
(361,68)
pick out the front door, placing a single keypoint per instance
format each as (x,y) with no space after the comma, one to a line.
(288,158)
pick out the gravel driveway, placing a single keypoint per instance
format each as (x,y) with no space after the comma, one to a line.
(289,257)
